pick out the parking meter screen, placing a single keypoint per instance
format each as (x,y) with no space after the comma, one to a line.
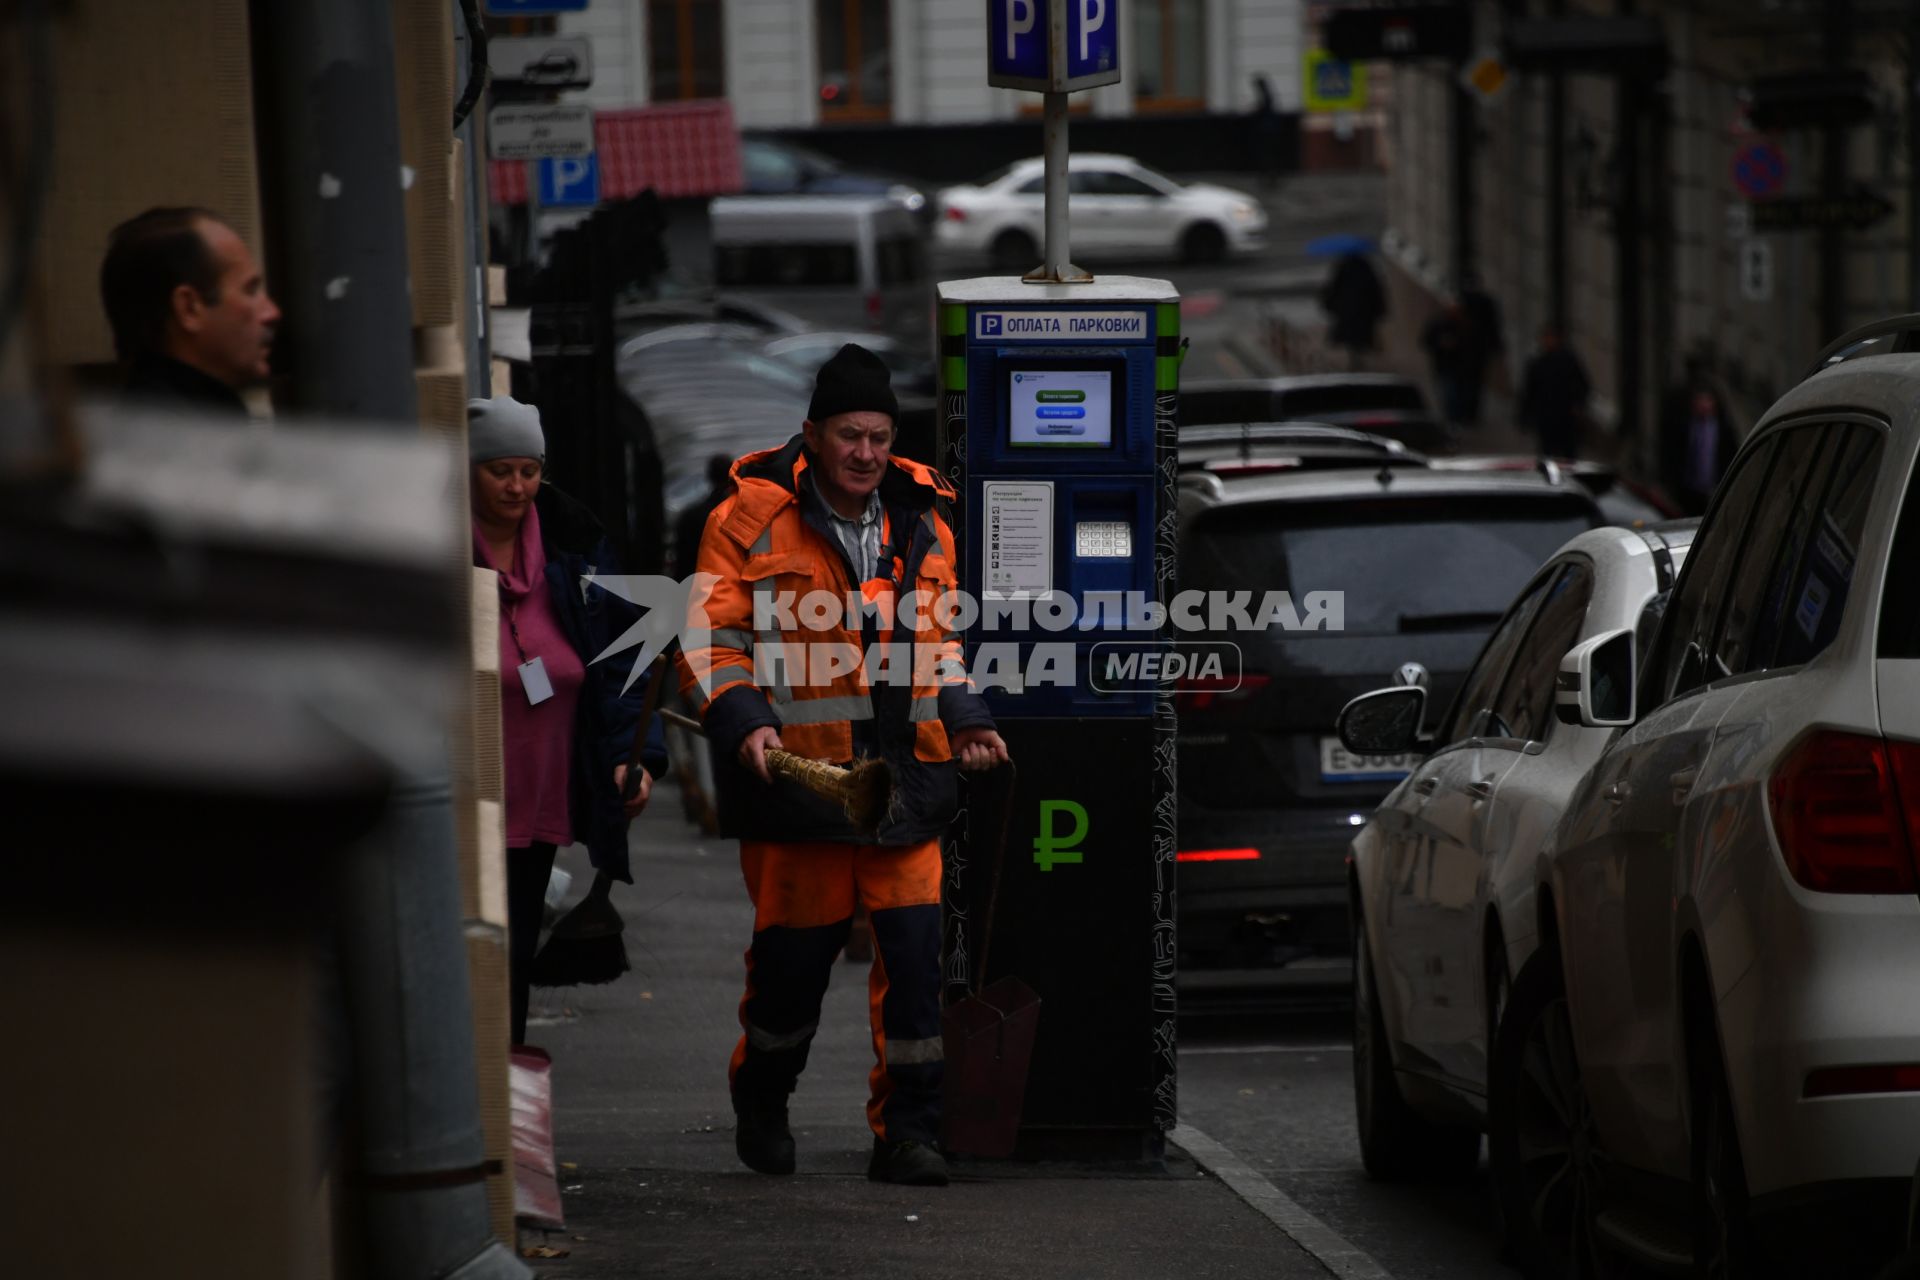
(1056,407)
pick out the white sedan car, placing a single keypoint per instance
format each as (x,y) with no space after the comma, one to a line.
(1116,208)
(1443,874)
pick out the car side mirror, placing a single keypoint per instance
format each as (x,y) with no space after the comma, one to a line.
(1595,686)
(1383,723)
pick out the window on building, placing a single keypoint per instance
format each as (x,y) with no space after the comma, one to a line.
(856,62)
(685,58)
(1170,67)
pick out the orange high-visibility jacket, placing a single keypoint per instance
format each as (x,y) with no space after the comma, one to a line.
(837,681)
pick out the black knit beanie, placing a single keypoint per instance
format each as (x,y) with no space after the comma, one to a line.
(855,379)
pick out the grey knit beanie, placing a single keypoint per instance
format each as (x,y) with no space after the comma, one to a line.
(504,428)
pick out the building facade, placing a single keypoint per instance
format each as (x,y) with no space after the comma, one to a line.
(1628,206)
(787,64)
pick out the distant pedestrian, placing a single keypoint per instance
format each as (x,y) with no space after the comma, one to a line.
(565,726)
(192,322)
(693,521)
(1697,441)
(1483,313)
(1458,362)
(1553,396)
(1264,129)
(1354,297)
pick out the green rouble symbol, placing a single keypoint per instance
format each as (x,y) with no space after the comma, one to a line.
(1051,847)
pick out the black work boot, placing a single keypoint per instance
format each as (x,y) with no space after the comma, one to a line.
(908,1163)
(761,1138)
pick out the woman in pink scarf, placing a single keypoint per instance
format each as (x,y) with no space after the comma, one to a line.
(564,724)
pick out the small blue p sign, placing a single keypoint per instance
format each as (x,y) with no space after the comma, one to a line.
(570,181)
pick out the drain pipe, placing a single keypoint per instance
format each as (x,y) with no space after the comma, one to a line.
(332,149)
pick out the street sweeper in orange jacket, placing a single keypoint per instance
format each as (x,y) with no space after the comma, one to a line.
(875,676)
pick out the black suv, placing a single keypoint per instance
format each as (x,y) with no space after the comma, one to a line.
(1427,561)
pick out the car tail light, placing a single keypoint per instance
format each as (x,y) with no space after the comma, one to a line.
(1845,806)
(953,213)
(1200,693)
(1218,855)
(873,307)
(828,92)
(1829,1082)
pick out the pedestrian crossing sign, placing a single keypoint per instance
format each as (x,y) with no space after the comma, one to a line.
(1334,84)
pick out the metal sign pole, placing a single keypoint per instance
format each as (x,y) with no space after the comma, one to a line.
(1058,252)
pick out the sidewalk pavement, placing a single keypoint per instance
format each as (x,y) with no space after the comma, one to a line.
(644,1133)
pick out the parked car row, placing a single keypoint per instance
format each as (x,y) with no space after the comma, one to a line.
(1426,560)
(1646,909)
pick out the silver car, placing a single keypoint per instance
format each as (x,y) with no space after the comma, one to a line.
(1443,873)
(1713,1060)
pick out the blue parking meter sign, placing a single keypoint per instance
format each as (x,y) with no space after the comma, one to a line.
(1053,46)
(569,181)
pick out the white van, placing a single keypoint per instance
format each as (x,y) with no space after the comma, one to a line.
(839,262)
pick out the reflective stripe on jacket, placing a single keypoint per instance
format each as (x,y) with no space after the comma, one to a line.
(770,543)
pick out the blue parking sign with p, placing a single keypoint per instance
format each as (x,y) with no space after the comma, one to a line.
(569,181)
(1020,51)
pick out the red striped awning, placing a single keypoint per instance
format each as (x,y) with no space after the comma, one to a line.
(677,148)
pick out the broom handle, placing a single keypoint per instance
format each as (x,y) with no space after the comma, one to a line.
(784,763)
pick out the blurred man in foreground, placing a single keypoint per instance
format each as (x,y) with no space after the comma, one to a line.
(192,321)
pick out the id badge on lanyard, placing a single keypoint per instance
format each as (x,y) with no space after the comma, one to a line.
(533,678)
(533,671)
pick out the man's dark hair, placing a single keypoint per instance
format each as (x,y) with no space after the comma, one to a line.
(148,257)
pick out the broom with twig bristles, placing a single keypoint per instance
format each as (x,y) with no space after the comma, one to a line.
(864,790)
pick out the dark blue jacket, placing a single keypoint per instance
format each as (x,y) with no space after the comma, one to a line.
(603,726)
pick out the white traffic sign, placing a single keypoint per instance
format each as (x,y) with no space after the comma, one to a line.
(533,132)
(542,62)
(1053,46)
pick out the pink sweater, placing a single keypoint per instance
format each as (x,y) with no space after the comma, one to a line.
(537,741)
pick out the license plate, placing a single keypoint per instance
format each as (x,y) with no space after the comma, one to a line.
(1337,764)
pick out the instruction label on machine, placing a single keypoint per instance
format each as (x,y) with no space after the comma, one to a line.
(1018,528)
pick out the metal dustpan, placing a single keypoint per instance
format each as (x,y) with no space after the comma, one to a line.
(988,1039)
(989,1045)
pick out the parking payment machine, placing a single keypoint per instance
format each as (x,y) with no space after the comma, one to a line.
(1058,415)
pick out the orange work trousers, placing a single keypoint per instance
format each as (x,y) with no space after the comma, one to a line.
(803,900)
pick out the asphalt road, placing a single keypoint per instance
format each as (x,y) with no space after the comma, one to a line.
(1277,1089)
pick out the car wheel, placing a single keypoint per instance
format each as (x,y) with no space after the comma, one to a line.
(1548,1170)
(1722,1239)
(1204,243)
(1395,1141)
(1015,251)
